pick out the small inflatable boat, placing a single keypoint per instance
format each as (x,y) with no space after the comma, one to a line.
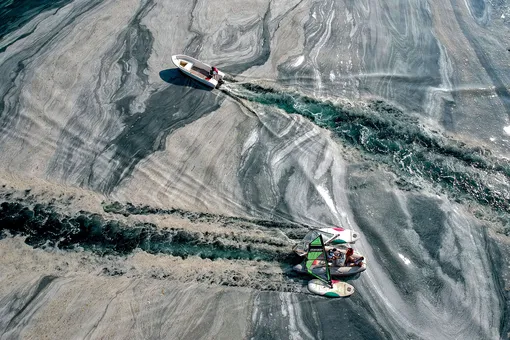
(337,271)
(337,267)
(331,236)
(197,70)
(324,286)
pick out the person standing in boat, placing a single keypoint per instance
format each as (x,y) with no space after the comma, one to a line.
(214,73)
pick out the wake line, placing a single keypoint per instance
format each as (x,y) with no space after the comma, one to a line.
(387,135)
(44,227)
(264,263)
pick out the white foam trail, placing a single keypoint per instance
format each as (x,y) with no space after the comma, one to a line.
(405,259)
(299,61)
(329,201)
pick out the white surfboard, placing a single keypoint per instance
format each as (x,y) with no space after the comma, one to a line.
(340,288)
(339,235)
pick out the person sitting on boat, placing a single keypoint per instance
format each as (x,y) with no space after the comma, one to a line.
(351,261)
(340,259)
(335,257)
(331,255)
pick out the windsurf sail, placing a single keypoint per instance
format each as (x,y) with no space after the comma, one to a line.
(315,250)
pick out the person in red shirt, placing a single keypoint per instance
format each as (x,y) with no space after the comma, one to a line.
(350,260)
(214,72)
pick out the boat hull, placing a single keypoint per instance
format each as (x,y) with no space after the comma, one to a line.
(334,271)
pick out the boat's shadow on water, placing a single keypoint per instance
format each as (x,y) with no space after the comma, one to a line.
(175,77)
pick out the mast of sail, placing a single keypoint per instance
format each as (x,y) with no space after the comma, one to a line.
(316,249)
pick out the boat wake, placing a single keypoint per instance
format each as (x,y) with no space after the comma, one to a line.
(212,249)
(385,134)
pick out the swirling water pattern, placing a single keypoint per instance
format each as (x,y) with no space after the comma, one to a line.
(137,203)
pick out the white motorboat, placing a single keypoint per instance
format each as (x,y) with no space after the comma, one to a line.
(197,70)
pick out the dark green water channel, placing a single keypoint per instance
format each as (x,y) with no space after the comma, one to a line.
(387,135)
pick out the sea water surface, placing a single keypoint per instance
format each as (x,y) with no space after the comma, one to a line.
(136,203)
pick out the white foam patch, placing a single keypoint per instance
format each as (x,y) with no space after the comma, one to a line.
(327,198)
(405,259)
(299,61)
(252,139)
(332,76)
(507,129)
